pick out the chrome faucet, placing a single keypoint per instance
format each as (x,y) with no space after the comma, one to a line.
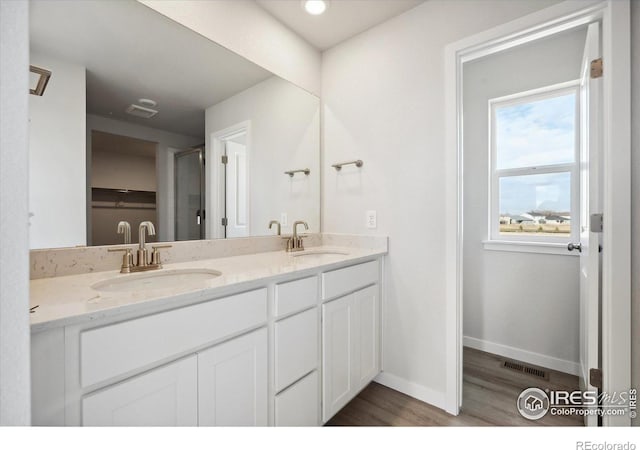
(295,244)
(275,222)
(124,227)
(144,262)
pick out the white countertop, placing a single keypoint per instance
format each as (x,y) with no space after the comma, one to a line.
(70,299)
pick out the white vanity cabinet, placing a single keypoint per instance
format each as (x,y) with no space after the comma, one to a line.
(291,351)
(225,385)
(350,335)
(201,364)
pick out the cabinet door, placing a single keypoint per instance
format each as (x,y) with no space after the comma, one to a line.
(368,327)
(232,382)
(166,396)
(339,346)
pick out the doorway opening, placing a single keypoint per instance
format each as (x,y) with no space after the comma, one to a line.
(521,290)
(123,186)
(491,308)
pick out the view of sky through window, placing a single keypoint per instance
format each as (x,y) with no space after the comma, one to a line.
(536,133)
(532,135)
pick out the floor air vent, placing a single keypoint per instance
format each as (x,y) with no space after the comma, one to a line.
(519,367)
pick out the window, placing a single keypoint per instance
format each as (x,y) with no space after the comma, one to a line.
(534,166)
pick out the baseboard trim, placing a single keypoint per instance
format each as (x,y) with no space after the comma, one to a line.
(412,389)
(538,359)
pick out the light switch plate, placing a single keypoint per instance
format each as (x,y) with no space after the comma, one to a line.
(284,219)
(372,219)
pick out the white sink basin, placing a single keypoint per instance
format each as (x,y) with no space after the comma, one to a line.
(161,279)
(317,254)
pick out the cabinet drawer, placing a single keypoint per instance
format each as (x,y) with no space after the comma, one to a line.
(298,406)
(117,349)
(341,281)
(296,295)
(296,347)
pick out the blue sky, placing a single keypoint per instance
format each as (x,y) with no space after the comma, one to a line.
(536,134)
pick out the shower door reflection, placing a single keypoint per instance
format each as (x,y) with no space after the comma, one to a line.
(189,195)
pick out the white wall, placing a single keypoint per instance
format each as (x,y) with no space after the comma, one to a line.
(168,143)
(525,301)
(285,135)
(248,30)
(383,94)
(57,157)
(635,196)
(15,380)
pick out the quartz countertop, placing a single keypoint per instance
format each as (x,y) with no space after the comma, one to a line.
(67,300)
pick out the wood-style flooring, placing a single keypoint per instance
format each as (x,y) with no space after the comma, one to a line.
(489,399)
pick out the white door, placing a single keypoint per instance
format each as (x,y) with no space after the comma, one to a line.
(590,203)
(237,189)
(232,382)
(166,396)
(339,347)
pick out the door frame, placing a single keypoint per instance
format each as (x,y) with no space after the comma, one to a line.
(215,182)
(616,268)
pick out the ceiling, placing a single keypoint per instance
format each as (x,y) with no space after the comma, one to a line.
(342,20)
(132,52)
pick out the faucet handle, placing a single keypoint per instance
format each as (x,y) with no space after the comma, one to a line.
(127,258)
(155,254)
(120,249)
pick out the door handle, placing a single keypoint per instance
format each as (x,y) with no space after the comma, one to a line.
(571,247)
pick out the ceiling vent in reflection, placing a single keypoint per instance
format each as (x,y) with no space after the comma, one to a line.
(146,111)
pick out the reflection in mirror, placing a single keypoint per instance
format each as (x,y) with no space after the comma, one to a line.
(144,119)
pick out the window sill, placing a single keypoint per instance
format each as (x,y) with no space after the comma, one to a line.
(548,248)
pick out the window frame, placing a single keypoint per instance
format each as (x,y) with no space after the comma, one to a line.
(532,243)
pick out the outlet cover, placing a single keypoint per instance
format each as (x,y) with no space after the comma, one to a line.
(284,219)
(372,219)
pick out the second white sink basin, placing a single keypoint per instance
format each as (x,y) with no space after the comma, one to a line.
(160,279)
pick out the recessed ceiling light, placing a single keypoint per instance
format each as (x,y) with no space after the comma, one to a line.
(315,7)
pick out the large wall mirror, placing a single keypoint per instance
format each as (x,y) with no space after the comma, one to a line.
(143,119)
